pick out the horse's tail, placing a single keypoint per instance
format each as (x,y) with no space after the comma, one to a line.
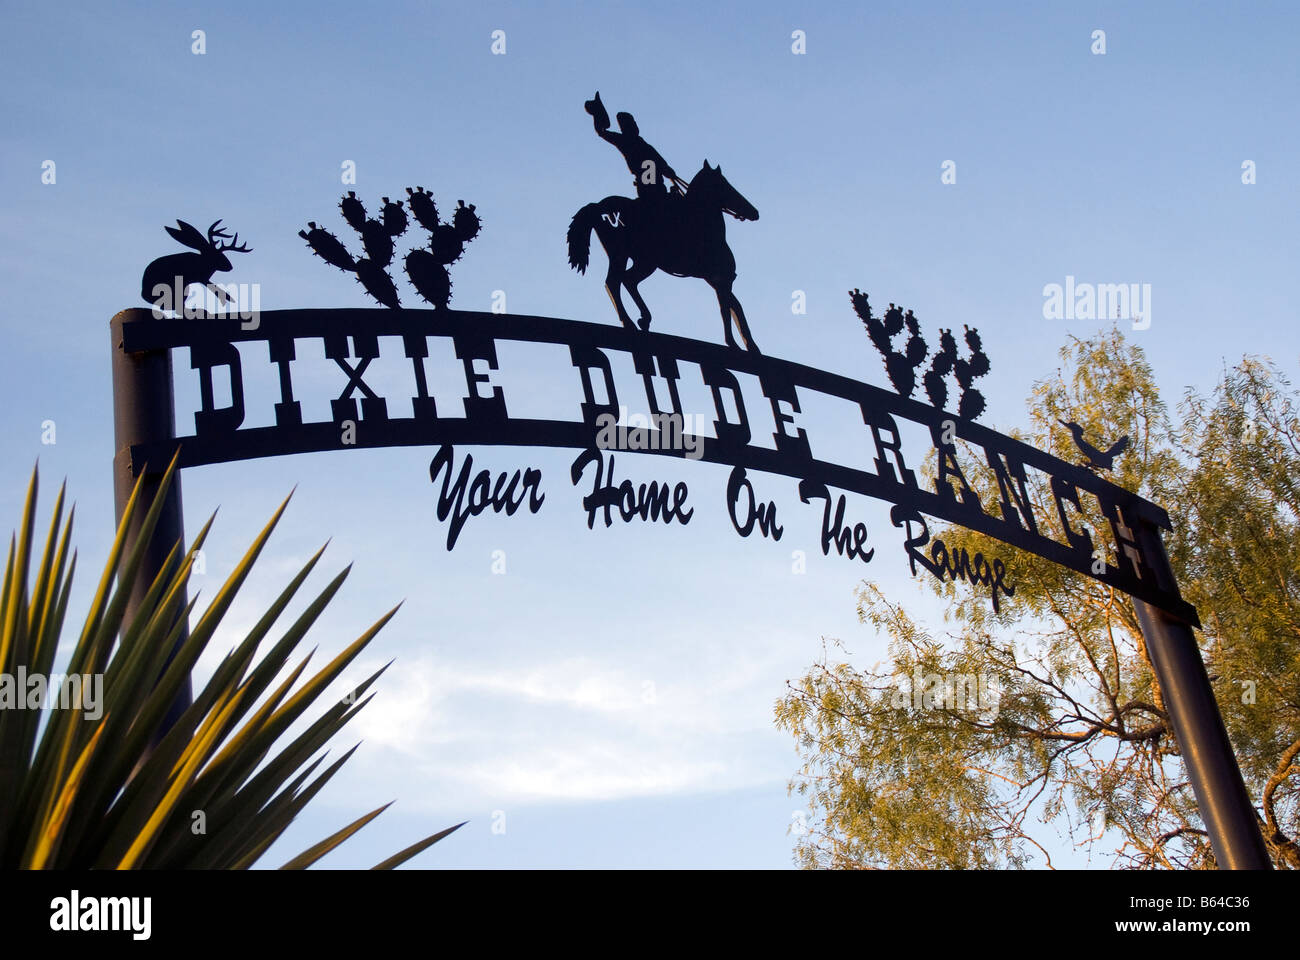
(580,227)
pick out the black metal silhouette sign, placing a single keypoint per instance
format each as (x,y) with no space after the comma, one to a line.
(903,365)
(426,267)
(682,232)
(167,279)
(361,418)
(1101,459)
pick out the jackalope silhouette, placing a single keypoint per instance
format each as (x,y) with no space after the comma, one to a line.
(681,233)
(190,268)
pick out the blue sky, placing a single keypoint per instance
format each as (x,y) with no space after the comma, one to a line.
(609,699)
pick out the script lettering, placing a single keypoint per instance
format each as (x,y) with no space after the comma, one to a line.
(649,502)
(944,563)
(482,492)
(847,543)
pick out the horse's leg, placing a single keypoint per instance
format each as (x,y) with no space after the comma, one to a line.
(616,251)
(640,269)
(738,313)
(614,280)
(722,287)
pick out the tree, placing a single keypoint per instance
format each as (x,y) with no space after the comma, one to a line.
(1077,732)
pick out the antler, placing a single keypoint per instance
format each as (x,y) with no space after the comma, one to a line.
(214,233)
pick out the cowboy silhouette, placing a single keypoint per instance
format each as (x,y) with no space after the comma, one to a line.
(680,233)
(648,168)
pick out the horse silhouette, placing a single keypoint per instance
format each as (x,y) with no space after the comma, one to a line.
(681,235)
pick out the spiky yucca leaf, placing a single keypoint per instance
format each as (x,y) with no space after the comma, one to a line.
(97,786)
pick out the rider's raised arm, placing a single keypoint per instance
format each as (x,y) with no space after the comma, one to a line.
(599,115)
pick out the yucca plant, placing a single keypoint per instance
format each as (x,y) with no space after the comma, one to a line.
(114,791)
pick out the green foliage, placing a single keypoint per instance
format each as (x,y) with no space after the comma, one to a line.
(1238,549)
(106,791)
(1079,739)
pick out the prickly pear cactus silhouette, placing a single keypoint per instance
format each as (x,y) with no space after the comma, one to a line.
(966,371)
(936,386)
(915,351)
(426,268)
(377,238)
(901,366)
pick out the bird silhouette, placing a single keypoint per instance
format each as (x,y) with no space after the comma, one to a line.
(1097,458)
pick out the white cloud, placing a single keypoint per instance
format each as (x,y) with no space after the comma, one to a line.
(571,729)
